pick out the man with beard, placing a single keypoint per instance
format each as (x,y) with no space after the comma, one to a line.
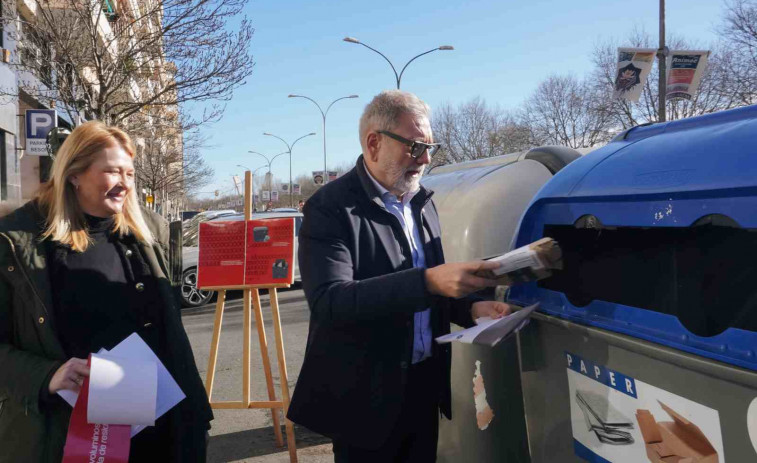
(379,292)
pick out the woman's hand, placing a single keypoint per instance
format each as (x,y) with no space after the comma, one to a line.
(69,376)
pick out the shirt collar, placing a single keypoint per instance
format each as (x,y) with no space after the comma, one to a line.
(386,194)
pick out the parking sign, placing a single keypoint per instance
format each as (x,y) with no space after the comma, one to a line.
(39,122)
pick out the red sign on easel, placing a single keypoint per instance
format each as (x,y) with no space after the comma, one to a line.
(251,253)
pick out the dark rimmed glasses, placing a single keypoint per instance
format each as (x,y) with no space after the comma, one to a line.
(417,148)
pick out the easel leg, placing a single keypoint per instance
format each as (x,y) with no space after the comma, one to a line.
(214,344)
(267,363)
(246,333)
(291,444)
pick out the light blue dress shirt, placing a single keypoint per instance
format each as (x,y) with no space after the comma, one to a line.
(403,212)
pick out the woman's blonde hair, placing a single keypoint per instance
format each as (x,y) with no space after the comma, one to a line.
(65,220)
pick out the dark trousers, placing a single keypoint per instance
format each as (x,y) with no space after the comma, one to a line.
(414,436)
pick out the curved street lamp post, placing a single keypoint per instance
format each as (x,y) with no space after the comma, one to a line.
(289,150)
(252,181)
(398,77)
(323,115)
(269,161)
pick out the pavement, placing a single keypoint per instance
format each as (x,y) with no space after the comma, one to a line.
(247,435)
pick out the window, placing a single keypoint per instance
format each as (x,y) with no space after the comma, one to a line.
(35,53)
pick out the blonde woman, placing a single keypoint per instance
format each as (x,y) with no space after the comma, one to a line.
(81,268)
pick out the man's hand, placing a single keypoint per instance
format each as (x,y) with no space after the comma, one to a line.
(492,309)
(459,279)
(69,376)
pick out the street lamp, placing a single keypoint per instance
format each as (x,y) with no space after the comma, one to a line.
(289,150)
(269,161)
(252,181)
(323,114)
(398,77)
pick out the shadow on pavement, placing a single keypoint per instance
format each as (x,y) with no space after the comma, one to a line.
(257,442)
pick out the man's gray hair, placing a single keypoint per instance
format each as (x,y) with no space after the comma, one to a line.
(386,108)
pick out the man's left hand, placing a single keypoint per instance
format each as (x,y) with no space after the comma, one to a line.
(491,309)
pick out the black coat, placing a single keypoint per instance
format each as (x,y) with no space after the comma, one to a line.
(358,276)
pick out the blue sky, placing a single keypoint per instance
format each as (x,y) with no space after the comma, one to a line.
(503,49)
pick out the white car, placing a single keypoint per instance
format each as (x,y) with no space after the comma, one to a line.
(193,297)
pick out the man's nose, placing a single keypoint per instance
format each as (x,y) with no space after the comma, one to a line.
(424,158)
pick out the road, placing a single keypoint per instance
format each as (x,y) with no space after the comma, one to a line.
(247,435)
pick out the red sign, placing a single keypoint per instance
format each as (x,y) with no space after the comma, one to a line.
(270,252)
(256,252)
(99,443)
(222,254)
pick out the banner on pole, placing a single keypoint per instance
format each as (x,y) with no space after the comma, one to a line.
(332,175)
(296,189)
(274,195)
(685,69)
(634,65)
(266,195)
(284,187)
(318,177)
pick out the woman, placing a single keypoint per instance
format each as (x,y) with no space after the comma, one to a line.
(81,268)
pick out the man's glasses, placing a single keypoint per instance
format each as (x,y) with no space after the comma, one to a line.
(417,148)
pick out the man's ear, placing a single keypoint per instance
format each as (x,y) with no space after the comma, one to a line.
(372,143)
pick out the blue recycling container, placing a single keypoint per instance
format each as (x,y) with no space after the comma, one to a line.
(659,237)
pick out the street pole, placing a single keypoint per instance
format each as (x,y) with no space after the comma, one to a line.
(397,77)
(270,161)
(662,55)
(323,115)
(289,150)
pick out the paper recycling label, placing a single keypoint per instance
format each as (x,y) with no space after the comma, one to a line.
(618,419)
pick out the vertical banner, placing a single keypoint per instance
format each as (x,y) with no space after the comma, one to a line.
(266,195)
(274,195)
(616,418)
(285,187)
(685,69)
(634,65)
(296,189)
(318,177)
(333,175)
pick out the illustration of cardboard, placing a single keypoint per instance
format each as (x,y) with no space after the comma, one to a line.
(679,440)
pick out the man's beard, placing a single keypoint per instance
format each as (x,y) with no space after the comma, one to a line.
(402,183)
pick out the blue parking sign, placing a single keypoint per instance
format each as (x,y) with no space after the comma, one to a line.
(39,122)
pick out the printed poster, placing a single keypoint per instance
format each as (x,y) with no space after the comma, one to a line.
(618,419)
(270,252)
(634,65)
(274,195)
(685,69)
(221,255)
(238,253)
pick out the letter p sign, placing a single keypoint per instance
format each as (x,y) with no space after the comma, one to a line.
(39,122)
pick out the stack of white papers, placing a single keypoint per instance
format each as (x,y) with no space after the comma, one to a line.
(490,331)
(128,385)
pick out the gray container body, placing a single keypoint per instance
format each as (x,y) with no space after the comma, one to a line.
(479,205)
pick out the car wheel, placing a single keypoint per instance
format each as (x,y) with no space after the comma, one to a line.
(190,295)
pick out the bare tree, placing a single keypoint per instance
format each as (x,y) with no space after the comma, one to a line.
(739,64)
(474,130)
(113,65)
(566,111)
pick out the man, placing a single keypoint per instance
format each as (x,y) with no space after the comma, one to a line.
(379,292)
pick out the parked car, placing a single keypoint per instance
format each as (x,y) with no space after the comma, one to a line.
(193,297)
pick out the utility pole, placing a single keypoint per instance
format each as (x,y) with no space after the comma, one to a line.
(662,55)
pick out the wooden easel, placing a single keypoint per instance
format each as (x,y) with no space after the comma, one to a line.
(252,300)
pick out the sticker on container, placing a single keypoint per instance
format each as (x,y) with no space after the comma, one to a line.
(484,413)
(751,422)
(616,418)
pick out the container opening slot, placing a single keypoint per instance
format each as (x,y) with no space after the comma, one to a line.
(706,275)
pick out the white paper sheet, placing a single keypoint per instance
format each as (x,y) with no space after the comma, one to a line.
(169,392)
(122,390)
(491,331)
